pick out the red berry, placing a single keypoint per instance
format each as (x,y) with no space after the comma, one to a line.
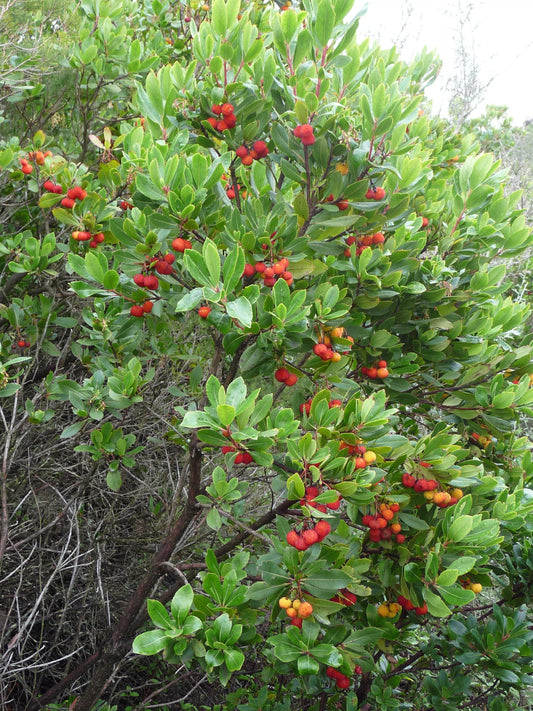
(323,528)
(27,169)
(422,610)
(320,349)
(230,193)
(291,380)
(68,203)
(310,536)
(281,375)
(247,160)
(226,109)
(230,120)
(151,281)
(204,311)
(216,109)
(343,682)
(148,306)
(249,270)
(48,185)
(297,622)
(400,538)
(292,537)
(137,310)
(221,126)
(300,544)
(169,258)
(382,363)
(261,148)
(343,204)
(241,151)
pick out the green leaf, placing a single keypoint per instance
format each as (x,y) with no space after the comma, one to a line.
(295,487)
(226,414)
(111,279)
(212,260)
(460,528)
(241,310)
(114,480)
(463,565)
(447,577)
(181,603)
(307,665)
(455,595)
(150,642)
(233,659)
(213,519)
(436,606)
(158,614)
(94,263)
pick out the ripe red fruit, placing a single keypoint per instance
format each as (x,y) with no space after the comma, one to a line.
(68,203)
(163,267)
(21,344)
(408,480)
(247,160)
(139,279)
(216,109)
(310,536)
(400,538)
(226,109)
(260,267)
(76,193)
(269,281)
(212,121)
(230,120)
(204,311)
(382,363)
(227,448)
(137,310)
(382,373)
(372,373)
(333,673)
(48,185)
(148,306)
(380,193)
(343,204)
(151,282)
(281,375)
(291,380)
(297,622)
(230,193)
(179,244)
(261,148)
(343,682)
(242,151)
(422,610)
(292,537)
(249,270)
(300,544)
(378,238)
(169,258)
(27,169)
(320,349)
(425,222)
(221,126)
(323,528)
(124,205)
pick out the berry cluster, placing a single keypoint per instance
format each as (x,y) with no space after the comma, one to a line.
(95,239)
(309,536)
(363,456)
(363,242)
(73,194)
(311,492)
(379,370)
(125,205)
(282,375)
(51,187)
(138,310)
(25,166)
(22,343)
(180,245)
(409,606)
(305,133)
(306,406)
(342,681)
(39,156)
(226,118)
(270,273)
(341,203)
(344,597)
(375,194)
(469,585)
(297,609)
(389,609)
(429,487)
(259,150)
(241,458)
(381,526)
(325,352)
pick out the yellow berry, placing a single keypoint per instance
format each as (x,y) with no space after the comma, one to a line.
(394,608)
(457,494)
(369,456)
(335,358)
(284,603)
(291,612)
(429,495)
(383,610)
(476,587)
(337,332)
(296,604)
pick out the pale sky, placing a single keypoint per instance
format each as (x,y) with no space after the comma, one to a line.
(498,35)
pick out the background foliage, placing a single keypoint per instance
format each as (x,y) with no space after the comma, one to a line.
(155,462)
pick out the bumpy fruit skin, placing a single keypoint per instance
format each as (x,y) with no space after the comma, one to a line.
(383,610)
(137,311)
(284,603)
(305,610)
(204,311)
(323,528)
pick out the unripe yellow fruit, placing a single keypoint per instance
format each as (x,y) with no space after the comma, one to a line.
(296,604)
(369,456)
(476,587)
(458,494)
(429,495)
(291,612)
(335,358)
(336,332)
(394,608)
(284,603)
(383,610)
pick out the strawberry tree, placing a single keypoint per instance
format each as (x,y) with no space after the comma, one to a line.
(272,219)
